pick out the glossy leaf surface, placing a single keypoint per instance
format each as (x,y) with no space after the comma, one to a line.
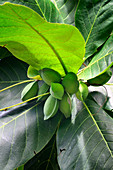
(22,129)
(46,159)
(39,43)
(94,19)
(100,62)
(66,10)
(88,143)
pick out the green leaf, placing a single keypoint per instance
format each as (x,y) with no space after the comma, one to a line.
(22,129)
(94,19)
(51,10)
(100,62)
(87,144)
(20,168)
(46,159)
(66,10)
(4,53)
(11,71)
(39,43)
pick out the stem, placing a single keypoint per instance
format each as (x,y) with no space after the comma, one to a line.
(84,64)
(25,101)
(16,85)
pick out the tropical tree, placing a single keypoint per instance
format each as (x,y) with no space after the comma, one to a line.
(56,82)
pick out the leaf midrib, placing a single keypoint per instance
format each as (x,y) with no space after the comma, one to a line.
(48,43)
(93,23)
(90,65)
(98,129)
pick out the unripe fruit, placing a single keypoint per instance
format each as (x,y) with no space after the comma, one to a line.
(57,90)
(29,91)
(50,107)
(65,106)
(70,83)
(101,79)
(43,89)
(50,76)
(83,91)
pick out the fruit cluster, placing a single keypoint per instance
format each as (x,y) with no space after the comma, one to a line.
(60,90)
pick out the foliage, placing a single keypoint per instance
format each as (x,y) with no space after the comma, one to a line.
(35,34)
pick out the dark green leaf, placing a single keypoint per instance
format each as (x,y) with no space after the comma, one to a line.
(46,159)
(100,62)
(66,10)
(22,129)
(87,144)
(94,19)
(4,53)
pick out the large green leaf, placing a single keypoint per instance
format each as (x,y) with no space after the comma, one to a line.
(39,43)
(46,159)
(94,19)
(100,62)
(23,130)
(87,144)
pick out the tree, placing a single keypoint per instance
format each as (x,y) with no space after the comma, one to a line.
(72,36)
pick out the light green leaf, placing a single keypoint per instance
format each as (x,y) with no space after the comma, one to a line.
(88,143)
(100,62)
(94,19)
(39,43)
(23,130)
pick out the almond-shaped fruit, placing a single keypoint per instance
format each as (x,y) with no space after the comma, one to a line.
(29,91)
(57,90)
(50,76)
(70,83)
(51,106)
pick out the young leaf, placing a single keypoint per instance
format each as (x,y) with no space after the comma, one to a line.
(39,43)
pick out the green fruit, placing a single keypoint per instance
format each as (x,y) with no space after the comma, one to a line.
(70,83)
(83,91)
(29,91)
(50,76)
(101,79)
(50,107)
(65,106)
(43,89)
(57,90)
